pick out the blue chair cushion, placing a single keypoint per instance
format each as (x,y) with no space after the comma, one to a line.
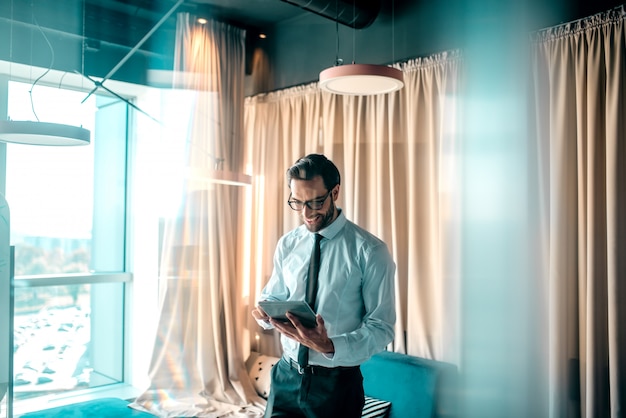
(98,408)
(413,385)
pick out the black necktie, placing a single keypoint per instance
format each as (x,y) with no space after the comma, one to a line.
(311,292)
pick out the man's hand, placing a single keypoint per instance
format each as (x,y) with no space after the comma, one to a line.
(261,317)
(315,338)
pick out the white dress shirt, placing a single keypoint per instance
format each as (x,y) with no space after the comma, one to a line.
(356,296)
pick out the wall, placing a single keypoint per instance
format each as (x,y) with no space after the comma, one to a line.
(297,50)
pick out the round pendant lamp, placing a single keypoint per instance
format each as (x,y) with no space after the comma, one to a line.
(361,79)
(43,133)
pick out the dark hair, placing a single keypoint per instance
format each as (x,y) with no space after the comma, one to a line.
(314,165)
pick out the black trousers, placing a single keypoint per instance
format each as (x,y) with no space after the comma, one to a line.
(317,393)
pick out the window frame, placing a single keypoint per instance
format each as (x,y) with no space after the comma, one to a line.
(88,278)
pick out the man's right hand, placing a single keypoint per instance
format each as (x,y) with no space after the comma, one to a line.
(261,318)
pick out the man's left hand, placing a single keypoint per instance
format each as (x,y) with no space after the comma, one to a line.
(315,338)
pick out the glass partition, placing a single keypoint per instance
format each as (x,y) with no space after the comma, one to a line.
(68,220)
(6,352)
(67,337)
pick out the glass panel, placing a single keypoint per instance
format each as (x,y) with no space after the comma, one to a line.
(6,351)
(68,203)
(109,204)
(67,337)
(67,216)
(50,189)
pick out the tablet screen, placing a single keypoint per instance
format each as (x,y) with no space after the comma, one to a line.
(278,309)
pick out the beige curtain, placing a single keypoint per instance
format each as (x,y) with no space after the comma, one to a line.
(398,156)
(197,367)
(580,114)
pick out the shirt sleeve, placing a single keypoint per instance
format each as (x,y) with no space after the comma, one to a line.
(377,329)
(275,288)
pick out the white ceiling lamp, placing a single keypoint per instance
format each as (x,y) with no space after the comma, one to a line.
(360,79)
(41,133)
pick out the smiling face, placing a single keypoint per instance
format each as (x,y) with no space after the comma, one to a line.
(314,189)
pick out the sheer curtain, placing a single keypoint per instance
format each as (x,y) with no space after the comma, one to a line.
(197,366)
(580,107)
(398,156)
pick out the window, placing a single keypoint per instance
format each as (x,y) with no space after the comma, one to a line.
(68,228)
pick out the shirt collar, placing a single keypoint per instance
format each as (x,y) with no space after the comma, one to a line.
(333,229)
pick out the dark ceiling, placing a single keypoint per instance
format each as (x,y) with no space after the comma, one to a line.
(247,14)
(126,22)
(93,36)
(107,30)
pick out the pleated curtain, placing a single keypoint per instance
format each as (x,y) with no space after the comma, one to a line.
(197,367)
(579,93)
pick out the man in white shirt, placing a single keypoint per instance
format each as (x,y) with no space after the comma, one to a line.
(354,301)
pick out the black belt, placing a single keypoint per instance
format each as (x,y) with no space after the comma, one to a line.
(320,370)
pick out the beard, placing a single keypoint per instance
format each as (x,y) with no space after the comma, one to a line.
(325,219)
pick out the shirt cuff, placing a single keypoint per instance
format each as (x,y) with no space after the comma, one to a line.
(264,324)
(340,347)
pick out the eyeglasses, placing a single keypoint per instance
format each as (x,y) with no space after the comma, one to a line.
(314,204)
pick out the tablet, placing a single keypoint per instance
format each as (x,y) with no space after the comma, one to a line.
(299,308)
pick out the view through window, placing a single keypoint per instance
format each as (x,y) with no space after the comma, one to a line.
(50,189)
(67,226)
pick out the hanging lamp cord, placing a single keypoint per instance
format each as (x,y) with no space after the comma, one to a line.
(30,92)
(353,31)
(338,61)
